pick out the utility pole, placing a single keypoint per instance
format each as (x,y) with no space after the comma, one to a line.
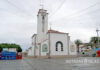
(97,30)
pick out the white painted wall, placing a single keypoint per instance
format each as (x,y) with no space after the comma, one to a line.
(32,53)
(42,35)
(29,52)
(54,37)
(71,52)
(37,50)
(33,44)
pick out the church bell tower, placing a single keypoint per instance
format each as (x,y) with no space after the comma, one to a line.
(42,25)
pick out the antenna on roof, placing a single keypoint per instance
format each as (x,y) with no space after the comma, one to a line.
(42,4)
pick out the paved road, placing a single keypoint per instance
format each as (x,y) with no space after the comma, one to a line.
(47,64)
(14,65)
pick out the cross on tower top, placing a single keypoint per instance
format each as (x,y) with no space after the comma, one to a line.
(42,4)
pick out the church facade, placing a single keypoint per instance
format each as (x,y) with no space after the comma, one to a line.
(50,43)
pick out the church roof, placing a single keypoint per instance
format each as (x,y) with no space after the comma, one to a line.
(55,31)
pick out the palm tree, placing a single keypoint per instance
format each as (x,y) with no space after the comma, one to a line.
(78,43)
(94,41)
(90,44)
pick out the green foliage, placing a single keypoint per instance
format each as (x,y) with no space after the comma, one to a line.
(6,45)
(83,53)
(78,42)
(94,41)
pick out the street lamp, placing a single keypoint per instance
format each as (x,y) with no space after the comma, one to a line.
(98,35)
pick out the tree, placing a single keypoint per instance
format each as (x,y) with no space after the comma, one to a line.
(90,44)
(94,41)
(5,45)
(78,43)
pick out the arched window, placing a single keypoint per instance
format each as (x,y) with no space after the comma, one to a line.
(44,48)
(59,42)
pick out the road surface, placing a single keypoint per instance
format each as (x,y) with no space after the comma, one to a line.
(48,64)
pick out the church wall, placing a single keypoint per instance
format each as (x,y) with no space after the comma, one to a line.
(35,46)
(37,50)
(57,44)
(30,52)
(33,42)
(54,37)
(72,49)
(42,34)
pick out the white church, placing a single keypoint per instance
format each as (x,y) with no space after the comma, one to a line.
(50,43)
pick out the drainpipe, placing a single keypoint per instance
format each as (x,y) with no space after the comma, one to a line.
(68,39)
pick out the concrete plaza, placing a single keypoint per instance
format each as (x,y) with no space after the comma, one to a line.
(48,64)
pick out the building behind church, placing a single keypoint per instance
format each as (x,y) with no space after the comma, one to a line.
(50,43)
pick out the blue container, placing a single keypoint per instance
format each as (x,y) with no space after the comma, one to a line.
(6,55)
(8,58)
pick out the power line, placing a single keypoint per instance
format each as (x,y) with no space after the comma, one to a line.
(58,8)
(7,11)
(93,5)
(86,13)
(84,9)
(9,2)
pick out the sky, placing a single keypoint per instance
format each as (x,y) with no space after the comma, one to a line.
(18,19)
